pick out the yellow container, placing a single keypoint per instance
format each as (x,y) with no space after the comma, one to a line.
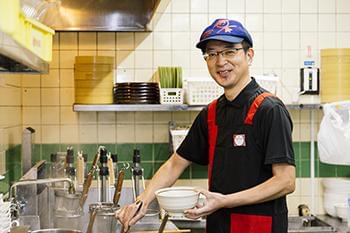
(30,33)
(335,75)
(94,60)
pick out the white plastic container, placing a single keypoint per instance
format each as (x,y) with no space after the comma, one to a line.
(201,90)
(177,136)
(171,96)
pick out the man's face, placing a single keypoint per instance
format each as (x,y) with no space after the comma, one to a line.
(231,67)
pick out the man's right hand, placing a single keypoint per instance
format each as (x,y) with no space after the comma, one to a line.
(128,215)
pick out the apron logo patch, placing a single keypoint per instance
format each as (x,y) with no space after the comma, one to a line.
(239,140)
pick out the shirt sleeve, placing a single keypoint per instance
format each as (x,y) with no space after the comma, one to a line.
(195,145)
(277,135)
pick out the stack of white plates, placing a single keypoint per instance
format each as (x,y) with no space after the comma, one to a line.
(5,216)
(336,190)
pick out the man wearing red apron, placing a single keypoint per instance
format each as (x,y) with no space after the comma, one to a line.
(245,139)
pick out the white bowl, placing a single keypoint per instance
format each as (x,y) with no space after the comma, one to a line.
(176,200)
(342,211)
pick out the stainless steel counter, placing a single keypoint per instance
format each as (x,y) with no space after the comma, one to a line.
(341,226)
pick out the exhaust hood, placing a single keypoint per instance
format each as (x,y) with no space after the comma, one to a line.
(92,15)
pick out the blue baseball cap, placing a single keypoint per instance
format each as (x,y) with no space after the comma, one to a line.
(224,30)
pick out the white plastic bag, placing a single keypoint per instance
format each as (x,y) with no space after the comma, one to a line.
(334,134)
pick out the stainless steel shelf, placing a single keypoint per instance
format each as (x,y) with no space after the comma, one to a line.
(160,107)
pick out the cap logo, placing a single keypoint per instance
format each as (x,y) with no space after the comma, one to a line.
(224,24)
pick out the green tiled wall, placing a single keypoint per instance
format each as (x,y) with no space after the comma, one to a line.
(154,155)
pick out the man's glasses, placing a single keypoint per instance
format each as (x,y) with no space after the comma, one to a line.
(227,54)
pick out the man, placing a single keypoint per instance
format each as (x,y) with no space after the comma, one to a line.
(245,139)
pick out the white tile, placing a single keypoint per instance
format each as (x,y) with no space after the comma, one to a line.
(110,53)
(343,40)
(55,41)
(182,117)
(143,117)
(125,133)
(162,117)
(125,41)
(86,53)
(87,117)
(50,115)
(106,133)
(31,80)
(326,6)
(67,58)
(50,96)
(143,59)
(54,64)
(272,59)
(343,22)
(254,6)
(217,6)
(31,96)
(181,6)
(162,40)
(143,41)
(214,16)
(272,22)
(31,115)
(106,40)
(161,133)
(194,39)
(67,116)
(326,23)
(66,78)
(182,40)
(87,40)
(308,39)
(199,6)
(258,40)
(258,60)
(68,40)
(308,22)
(343,6)
(197,61)
(290,6)
(67,97)
(143,133)
(238,17)
(51,79)
(162,58)
(69,134)
(106,117)
(181,58)
(237,6)
(310,6)
(143,75)
(290,59)
(125,117)
(290,40)
(50,133)
(180,22)
(125,75)
(254,22)
(272,40)
(87,133)
(272,6)
(198,22)
(125,59)
(163,22)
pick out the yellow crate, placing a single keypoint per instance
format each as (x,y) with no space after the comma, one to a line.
(30,33)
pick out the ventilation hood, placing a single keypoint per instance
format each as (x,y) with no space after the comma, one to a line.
(92,15)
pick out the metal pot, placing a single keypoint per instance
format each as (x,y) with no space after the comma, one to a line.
(102,218)
(64,219)
(67,202)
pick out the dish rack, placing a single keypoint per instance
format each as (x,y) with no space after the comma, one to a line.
(201,90)
(171,96)
(176,135)
(268,82)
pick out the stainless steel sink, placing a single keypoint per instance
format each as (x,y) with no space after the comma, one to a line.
(309,224)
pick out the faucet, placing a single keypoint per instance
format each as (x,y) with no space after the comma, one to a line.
(71,188)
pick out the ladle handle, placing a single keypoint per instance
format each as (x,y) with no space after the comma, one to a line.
(118,187)
(86,186)
(91,221)
(162,226)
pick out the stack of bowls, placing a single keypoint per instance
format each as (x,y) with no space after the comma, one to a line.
(336,191)
(5,216)
(93,79)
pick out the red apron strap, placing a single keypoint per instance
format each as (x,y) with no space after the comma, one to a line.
(212,134)
(254,107)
